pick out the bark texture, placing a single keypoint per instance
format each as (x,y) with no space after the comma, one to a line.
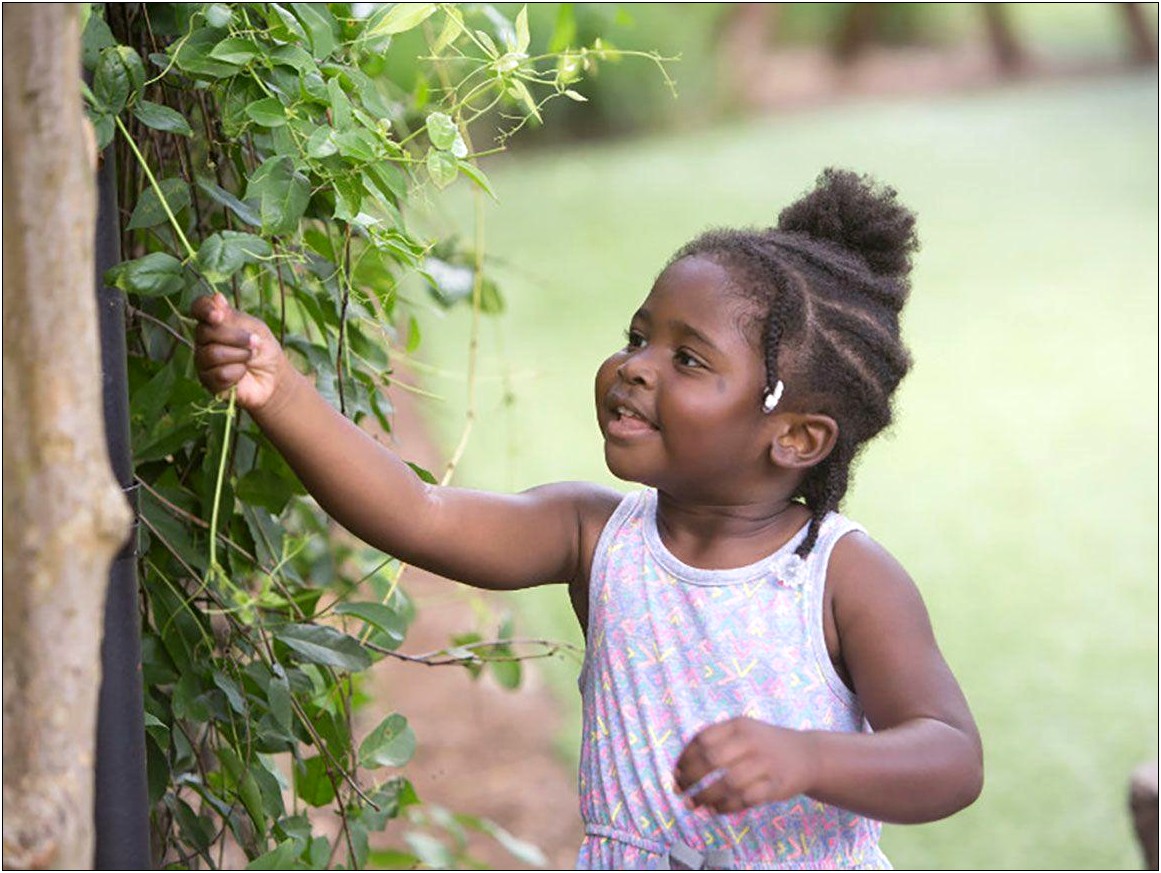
(64,516)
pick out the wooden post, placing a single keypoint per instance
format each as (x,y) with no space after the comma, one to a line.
(64,516)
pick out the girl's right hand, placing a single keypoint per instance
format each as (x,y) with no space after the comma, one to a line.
(235,350)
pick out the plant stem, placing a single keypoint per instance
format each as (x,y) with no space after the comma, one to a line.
(156,188)
(231,412)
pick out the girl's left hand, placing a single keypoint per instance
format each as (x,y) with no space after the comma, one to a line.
(756,763)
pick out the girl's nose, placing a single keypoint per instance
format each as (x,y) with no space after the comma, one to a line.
(636,370)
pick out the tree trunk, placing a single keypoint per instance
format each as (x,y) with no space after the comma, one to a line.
(1142,42)
(1005,45)
(64,516)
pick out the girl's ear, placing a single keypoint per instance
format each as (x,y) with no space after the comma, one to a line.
(803,439)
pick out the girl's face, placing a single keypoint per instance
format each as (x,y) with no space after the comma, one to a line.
(680,407)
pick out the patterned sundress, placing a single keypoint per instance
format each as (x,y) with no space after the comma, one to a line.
(672,649)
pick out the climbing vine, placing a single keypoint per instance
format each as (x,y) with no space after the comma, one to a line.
(264,151)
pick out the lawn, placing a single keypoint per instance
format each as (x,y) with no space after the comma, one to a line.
(1019,485)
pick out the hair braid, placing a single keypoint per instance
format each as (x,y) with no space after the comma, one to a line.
(822,490)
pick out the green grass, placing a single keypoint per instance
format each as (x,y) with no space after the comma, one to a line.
(1019,485)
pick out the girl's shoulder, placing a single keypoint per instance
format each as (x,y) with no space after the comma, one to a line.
(590,504)
(863,577)
(859,560)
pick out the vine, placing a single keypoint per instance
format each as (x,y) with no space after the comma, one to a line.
(269,155)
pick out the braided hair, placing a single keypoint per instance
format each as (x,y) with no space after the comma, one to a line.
(830,280)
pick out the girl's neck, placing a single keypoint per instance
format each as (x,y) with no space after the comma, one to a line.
(719,537)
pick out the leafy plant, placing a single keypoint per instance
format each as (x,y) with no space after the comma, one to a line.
(266,155)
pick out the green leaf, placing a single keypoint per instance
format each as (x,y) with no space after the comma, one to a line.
(284,26)
(523,38)
(118,75)
(105,129)
(518,90)
(434,854)
(340,105)
(193,55)
(453,26)
(519,849)
(348,197)
(219,15)
(224,198)
(295,57)
(442,167)
(381,617)
(319,644)
(265,487)
(155,725)
(235,50)
(441,130)
(195,829)
(282,194)
(424,474)
(489,45)
(154,275)
(477,176)
(96,37)
(507,673)
(321,143)
(397,18)
(224,253)
(321,26)
(357,143)
(269,112)
(311,782)
(414,337)
(234,695)
(491,301)
(189,701)
(281,857)
(149,212)
(244,784)
(393,859)
(391,744)
(160,117)
(278,696)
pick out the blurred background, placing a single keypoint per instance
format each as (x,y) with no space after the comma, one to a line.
(1019,484)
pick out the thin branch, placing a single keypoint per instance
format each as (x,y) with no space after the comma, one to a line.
(145,316)
(446,657)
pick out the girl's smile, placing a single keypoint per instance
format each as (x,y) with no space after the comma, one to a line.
(627,422)
(680,405)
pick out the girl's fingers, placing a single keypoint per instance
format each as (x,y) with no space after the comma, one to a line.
(226,335)
(211,309)
(220,378)
(207,357)
(713,748)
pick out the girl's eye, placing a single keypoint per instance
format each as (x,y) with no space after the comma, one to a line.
(685,359)
(633,339)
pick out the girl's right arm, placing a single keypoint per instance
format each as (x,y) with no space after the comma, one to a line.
(498,541)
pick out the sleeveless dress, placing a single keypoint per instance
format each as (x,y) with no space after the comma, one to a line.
(672,649)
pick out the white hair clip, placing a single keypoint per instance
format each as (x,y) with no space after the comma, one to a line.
(773,395)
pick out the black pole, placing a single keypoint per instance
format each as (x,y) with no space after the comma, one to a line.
(121,814)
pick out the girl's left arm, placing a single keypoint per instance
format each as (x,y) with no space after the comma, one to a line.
(924,760)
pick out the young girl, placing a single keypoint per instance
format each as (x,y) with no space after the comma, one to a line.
(761,684)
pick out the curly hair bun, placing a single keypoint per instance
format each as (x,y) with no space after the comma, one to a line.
(852,211)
